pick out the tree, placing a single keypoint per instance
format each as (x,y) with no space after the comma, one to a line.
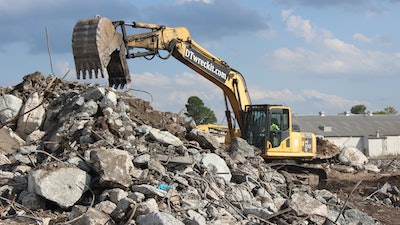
(390,110)
(358,109)
(387,110)
(198,112)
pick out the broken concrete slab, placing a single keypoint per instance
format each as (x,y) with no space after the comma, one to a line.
(116,194)
(109,100)
(355,216)
(205,139)
(158,218)
(217,166)
(146,207)
(83,215)
(175,159)
(9,141)
(240,148)
(106,206)
(10,105)
(33,113)
(148,190)
(164,137)
(4,160)
(113,166)
(304,204)
(353,157)
(62,185)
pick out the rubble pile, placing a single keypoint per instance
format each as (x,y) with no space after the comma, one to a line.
(387,194)
(84,154)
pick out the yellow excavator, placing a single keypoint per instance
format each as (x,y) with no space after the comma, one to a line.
(101,45)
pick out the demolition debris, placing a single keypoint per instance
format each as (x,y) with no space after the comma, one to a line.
(75,153)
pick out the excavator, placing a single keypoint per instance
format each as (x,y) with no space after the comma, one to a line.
(101,47)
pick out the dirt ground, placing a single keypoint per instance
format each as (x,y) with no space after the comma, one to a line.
(364,196)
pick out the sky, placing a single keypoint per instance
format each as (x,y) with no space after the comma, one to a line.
(312,55)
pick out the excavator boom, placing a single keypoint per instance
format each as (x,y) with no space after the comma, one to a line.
(97,46)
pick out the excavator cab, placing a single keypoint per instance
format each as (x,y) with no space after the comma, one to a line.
(266,125)
(269,127)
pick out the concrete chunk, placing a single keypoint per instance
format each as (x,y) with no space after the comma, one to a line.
(164,137)
(106,206)
(196,218)
(240,147)
(9,107)
(205,139)
(355,216)
(306,205)
(149,190)
(64,185)
(33,115)
(113,166)
(149,206)
(353,157)
(89,216)
(109,100)
(9,141)
(158,218)
(217,165)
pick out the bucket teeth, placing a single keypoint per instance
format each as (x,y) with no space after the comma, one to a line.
(118,68)
(87,69)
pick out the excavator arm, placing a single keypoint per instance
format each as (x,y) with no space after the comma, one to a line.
(98,46)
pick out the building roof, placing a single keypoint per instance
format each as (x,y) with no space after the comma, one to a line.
(351,125)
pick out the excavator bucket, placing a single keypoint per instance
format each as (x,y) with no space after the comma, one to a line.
(96,46)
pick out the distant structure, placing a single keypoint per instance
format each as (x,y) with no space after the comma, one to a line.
(375,135)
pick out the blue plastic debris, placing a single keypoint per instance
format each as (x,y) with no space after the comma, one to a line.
(165,187)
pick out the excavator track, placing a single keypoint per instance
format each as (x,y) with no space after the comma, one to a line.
(304,173)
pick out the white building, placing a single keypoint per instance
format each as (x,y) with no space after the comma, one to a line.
(375,135)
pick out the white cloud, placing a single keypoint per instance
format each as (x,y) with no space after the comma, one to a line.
(303,100)
(299,26)
(184,1)
(63,68)
(362,38)
(187,79)
(302,61)
(332,59)
(11,7)
(151,80)
(261,96)
(329,102)
(328,55)
(375,41)
(335,45)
